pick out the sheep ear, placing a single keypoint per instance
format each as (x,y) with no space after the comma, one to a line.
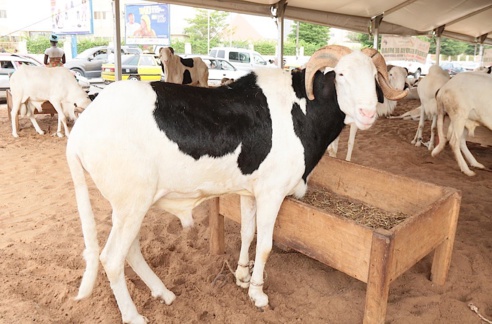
(379,92)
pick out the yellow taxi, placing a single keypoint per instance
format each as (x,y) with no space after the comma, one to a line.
(142,67)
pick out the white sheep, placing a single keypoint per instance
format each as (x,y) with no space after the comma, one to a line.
(427,89)
(175,146)
(466,100)
(190,71)
(32,85)
(397,79)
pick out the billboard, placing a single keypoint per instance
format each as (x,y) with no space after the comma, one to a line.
(71,17)
(404,48)
(147,24)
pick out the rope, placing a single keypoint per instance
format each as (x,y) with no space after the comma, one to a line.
(220,278)
(475,309)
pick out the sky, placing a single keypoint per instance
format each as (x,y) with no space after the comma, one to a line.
(265,25)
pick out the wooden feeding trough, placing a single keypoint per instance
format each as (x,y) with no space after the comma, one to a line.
(375,256)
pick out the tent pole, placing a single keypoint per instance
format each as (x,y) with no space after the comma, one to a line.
(375,22)
(278,12)
(438,32)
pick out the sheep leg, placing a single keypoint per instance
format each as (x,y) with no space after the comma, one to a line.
(333,147)
(267,211)
(466,152)
(62,120)
(351,141)
(14,116)
(126,226)
(248,213)
(440,133)
(417,140)
(142,269)
(457,132)
(430,144)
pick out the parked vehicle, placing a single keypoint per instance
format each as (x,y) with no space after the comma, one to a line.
(452,68)
(219,68)
(415,69)
(142,67)
(89,63)
(242,59)
(9,63)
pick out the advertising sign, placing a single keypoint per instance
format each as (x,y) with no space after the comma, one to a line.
(404,48)
(147,24)
(71,17)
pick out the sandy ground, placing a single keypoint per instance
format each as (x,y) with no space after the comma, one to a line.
(41,245)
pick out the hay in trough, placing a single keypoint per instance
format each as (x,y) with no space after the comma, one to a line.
(355,210)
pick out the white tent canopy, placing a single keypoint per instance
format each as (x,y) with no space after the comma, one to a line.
(465,20)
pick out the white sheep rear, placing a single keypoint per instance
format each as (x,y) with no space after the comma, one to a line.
(466,100)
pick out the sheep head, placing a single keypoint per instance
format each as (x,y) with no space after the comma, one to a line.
(383,79)
(327,56)
(166,54)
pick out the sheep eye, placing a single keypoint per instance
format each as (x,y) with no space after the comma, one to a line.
(340,74)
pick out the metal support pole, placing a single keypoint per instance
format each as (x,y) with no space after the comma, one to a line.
(438,32)
(278,11)
(117,40)
(375,22)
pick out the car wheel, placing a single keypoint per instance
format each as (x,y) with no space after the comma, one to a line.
(78,72)
(417,74)
(134,77)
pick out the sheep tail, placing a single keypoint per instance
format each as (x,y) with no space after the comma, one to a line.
(91,252)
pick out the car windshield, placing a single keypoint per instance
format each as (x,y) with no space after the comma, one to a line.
(130,60)
(86,54)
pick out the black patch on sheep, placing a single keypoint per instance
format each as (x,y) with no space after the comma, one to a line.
(187,62)
(323,120)
(215,121)
(186,77)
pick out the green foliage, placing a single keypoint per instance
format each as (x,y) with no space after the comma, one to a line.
(39,44)
(265,47)
(178,46)
(86,43)
(310,33)
(205,24)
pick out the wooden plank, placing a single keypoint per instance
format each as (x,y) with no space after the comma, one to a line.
(374,187)
(442,254)
(379,279)
(216,225)
(422,233)
(339,243)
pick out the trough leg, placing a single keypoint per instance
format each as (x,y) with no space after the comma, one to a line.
(379,279)
(216,224)
(442,254)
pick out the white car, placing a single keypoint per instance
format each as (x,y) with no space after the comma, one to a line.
(9,63)
(415,69)
(219,69)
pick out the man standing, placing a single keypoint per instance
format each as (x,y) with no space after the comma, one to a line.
(54,56)
(131,25)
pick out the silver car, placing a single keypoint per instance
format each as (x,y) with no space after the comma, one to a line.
(9,63)
(89,63)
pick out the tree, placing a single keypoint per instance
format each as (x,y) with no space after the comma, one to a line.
(205,24)
(316,35)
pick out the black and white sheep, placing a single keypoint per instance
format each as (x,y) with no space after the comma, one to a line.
(190,71)
(466,100)
(175,146)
